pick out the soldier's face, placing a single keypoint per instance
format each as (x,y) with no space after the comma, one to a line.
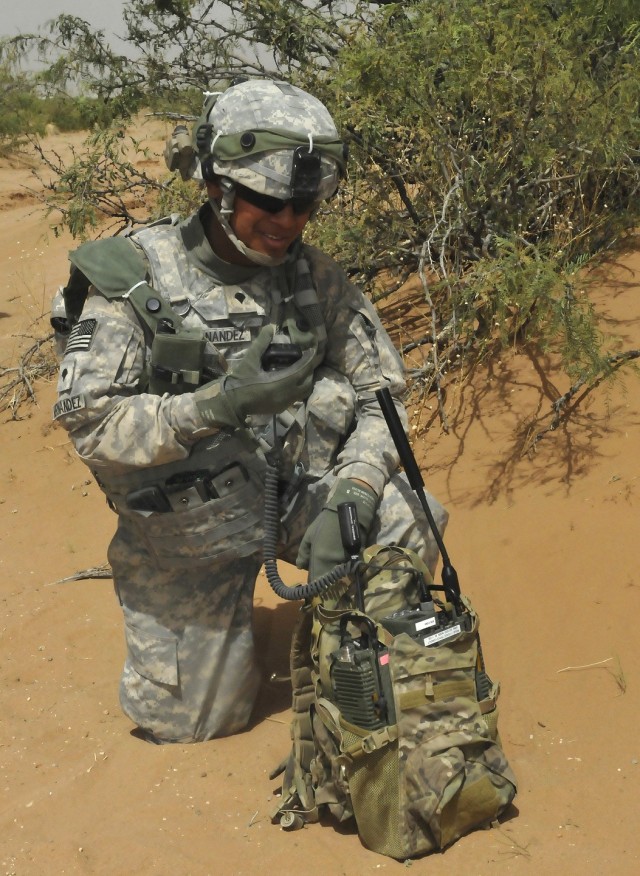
(268,233)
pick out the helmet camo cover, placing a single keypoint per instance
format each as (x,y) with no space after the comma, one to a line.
(249,134)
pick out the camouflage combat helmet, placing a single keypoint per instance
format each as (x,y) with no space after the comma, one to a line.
(273,138)
(270,137)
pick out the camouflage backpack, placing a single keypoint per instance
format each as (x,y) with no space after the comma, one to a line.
(395,717)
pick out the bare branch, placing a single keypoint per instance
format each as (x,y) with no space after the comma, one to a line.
(560,408)
(17,383)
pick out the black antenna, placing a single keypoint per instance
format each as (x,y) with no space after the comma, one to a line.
(408,460)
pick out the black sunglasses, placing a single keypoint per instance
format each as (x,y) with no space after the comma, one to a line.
(275,205)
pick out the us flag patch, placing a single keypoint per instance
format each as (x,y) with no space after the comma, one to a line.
(80,337)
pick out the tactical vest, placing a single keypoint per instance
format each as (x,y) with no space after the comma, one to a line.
(163,287)
(167,293)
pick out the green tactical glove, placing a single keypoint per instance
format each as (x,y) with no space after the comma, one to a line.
(248,389)
(321,547)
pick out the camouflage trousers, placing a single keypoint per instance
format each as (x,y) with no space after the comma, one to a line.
(191,672)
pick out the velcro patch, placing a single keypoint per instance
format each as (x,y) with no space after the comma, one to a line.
(68,405)
(81,335)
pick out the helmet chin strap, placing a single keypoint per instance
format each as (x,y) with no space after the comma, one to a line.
(226,209)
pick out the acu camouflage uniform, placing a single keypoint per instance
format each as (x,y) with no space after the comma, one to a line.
(185,576)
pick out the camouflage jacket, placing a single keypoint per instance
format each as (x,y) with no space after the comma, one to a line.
(117,429)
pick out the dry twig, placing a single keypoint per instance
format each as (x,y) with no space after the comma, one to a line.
(585,666)
(617,675)
(18,388)
(103,571)
(561,409)
(434,347)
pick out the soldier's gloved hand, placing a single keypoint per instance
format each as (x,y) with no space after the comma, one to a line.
(248,389)
(321,548)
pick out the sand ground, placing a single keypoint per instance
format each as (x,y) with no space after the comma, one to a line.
(545,546)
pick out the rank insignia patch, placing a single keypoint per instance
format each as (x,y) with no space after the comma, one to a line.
(81,335)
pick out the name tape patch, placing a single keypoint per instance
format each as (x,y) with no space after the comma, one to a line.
(227,335)
(68,405)
(81,335)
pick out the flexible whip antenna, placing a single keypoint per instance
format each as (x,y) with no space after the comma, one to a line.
(414,476)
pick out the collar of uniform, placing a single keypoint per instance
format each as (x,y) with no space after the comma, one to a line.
(199,252)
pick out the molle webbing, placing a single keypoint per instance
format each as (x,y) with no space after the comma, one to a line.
(431,768)
(306,299)
(118,269)
(212,454)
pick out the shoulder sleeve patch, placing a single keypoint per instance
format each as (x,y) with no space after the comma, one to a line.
(81,336)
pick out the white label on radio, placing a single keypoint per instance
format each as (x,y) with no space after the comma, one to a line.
(425,624)
(442,635)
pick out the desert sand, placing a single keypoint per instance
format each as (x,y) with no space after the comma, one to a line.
(543,543)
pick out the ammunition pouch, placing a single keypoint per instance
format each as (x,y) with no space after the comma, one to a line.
(176,361)
(217,492)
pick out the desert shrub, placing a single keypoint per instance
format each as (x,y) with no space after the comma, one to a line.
(494,145)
